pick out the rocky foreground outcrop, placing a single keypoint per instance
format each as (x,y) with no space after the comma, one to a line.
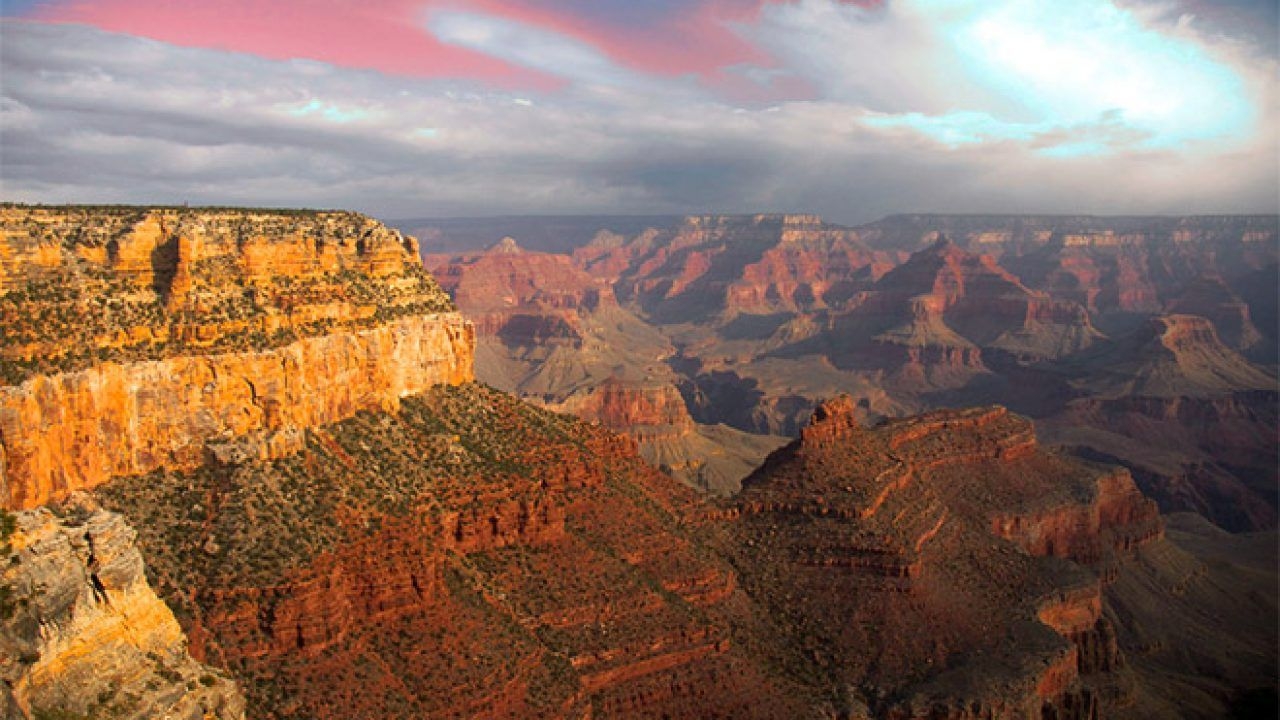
(82,632)
(142,339)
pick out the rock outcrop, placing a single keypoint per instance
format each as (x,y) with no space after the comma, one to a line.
(202,333)
(1210,297)
(467,556)
(712,458)
(82,632)
(842,523)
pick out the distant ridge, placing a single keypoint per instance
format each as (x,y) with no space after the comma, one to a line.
(564,233)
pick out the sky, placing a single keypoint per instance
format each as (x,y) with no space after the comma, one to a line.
(852,109)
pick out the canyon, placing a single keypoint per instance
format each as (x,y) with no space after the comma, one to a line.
(280,413)
(556,336)
(1114,333)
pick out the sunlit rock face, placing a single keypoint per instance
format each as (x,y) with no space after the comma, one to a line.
(83,632)
(140,339)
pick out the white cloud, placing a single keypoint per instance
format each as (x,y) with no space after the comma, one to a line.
(965,71)
(89,116)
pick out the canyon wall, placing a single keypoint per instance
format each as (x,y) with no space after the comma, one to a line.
(143,339)
(881,539)
(76,430)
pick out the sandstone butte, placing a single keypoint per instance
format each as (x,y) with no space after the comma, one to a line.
(419,545)
(138,339)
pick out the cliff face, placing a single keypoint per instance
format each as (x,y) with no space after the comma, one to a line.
(202,333)
(82,632)
(82,285)
(1117,516)
(1212,298)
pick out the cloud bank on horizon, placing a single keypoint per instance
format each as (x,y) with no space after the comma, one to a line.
(411,108)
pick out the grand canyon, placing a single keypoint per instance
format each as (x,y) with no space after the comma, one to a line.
(273,464)
(618,359)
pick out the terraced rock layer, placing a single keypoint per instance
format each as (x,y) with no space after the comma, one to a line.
(916,564)
(139,339)
(466,556)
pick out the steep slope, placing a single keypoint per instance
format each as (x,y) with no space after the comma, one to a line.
(466,556)
(1172,356)
(922,564)
(1196,618)
(81,632)
(141,338)
(1194,420)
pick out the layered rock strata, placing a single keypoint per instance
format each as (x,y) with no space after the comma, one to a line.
(466,556)
(82,632)
(964,514)
(145,339)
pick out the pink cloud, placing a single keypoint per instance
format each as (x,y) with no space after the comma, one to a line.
(676,38)
(692,38)
(385,36)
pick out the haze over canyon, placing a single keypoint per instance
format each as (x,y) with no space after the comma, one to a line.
(676,359)
(252,467)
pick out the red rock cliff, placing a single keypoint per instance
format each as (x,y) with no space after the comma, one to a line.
(142,339)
